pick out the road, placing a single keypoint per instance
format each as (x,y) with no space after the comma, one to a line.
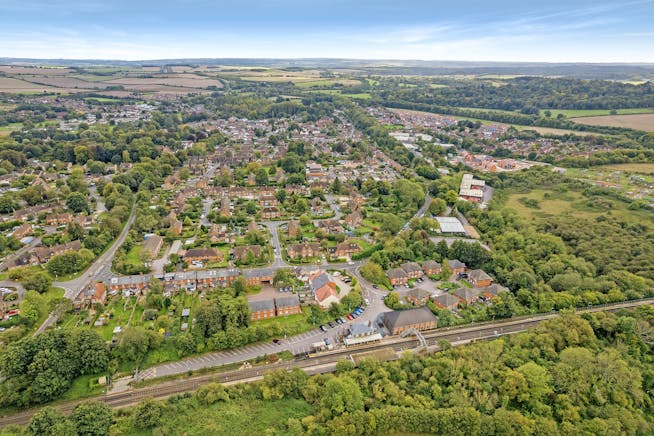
(100,269)
(323,362)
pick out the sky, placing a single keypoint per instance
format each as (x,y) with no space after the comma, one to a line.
(483,30)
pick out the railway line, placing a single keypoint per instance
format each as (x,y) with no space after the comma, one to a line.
(324,362)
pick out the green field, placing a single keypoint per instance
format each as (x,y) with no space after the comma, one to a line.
(644,168)
(238,417)
(576,113)
(571,203)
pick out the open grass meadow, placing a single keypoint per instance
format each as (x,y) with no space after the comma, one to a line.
(235,417)
(642,168)
(539,205)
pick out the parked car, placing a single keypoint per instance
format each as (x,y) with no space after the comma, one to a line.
(331,324)
(327,341)
(350,317)
(339,321)
(323,328)
(343,321)
(375,286)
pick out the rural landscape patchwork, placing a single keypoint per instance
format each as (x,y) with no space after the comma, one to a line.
(315,244)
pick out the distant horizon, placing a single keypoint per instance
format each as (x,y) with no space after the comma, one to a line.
(316,58)
(559,31)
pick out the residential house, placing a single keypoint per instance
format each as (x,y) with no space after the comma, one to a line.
(492,291)
(59,219)
(257,277)
(412,269)
(152,245)
(418,297)
(303,251)
(41,255)
(318,206)
(346,249)
(331,226)
(354,219)
(22,231)
(271,212)
(293,229)
(204,255)
(397,276)
(288,305)
(479,279)
(92,294)
(252,227)
(261,309)
(225,207)
(456,266)
(241,253)
(467,295)
(446,301)
(324,289)
(431,267)
(398,321)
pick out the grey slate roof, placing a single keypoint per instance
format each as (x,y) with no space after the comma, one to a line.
(403,318)
(289,301)
(256,306)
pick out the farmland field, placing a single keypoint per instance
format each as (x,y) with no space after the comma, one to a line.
(636,121)
(577,113)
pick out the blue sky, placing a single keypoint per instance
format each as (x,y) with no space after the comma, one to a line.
(504,30)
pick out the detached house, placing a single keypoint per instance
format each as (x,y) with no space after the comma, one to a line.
(479,278)
(241,253)
(446,301)
(430,267)
(205,255)
(412,270)
(457,266)
(418,297)
(397,276)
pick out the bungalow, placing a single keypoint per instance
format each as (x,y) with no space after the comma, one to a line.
(288,305)
(303,251)
(412,269)
(256,277)
(431,267)
(205,255)
(446,301)
(397,276)
(262,309)
(418,297)
(479,278)
(467,295)
(456,266)
(241,253)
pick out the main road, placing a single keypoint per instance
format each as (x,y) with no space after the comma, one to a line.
(100,269)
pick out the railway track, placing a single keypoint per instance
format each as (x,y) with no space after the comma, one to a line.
(324,362)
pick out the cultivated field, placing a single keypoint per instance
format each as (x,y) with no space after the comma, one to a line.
(638,121)
(577,113)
